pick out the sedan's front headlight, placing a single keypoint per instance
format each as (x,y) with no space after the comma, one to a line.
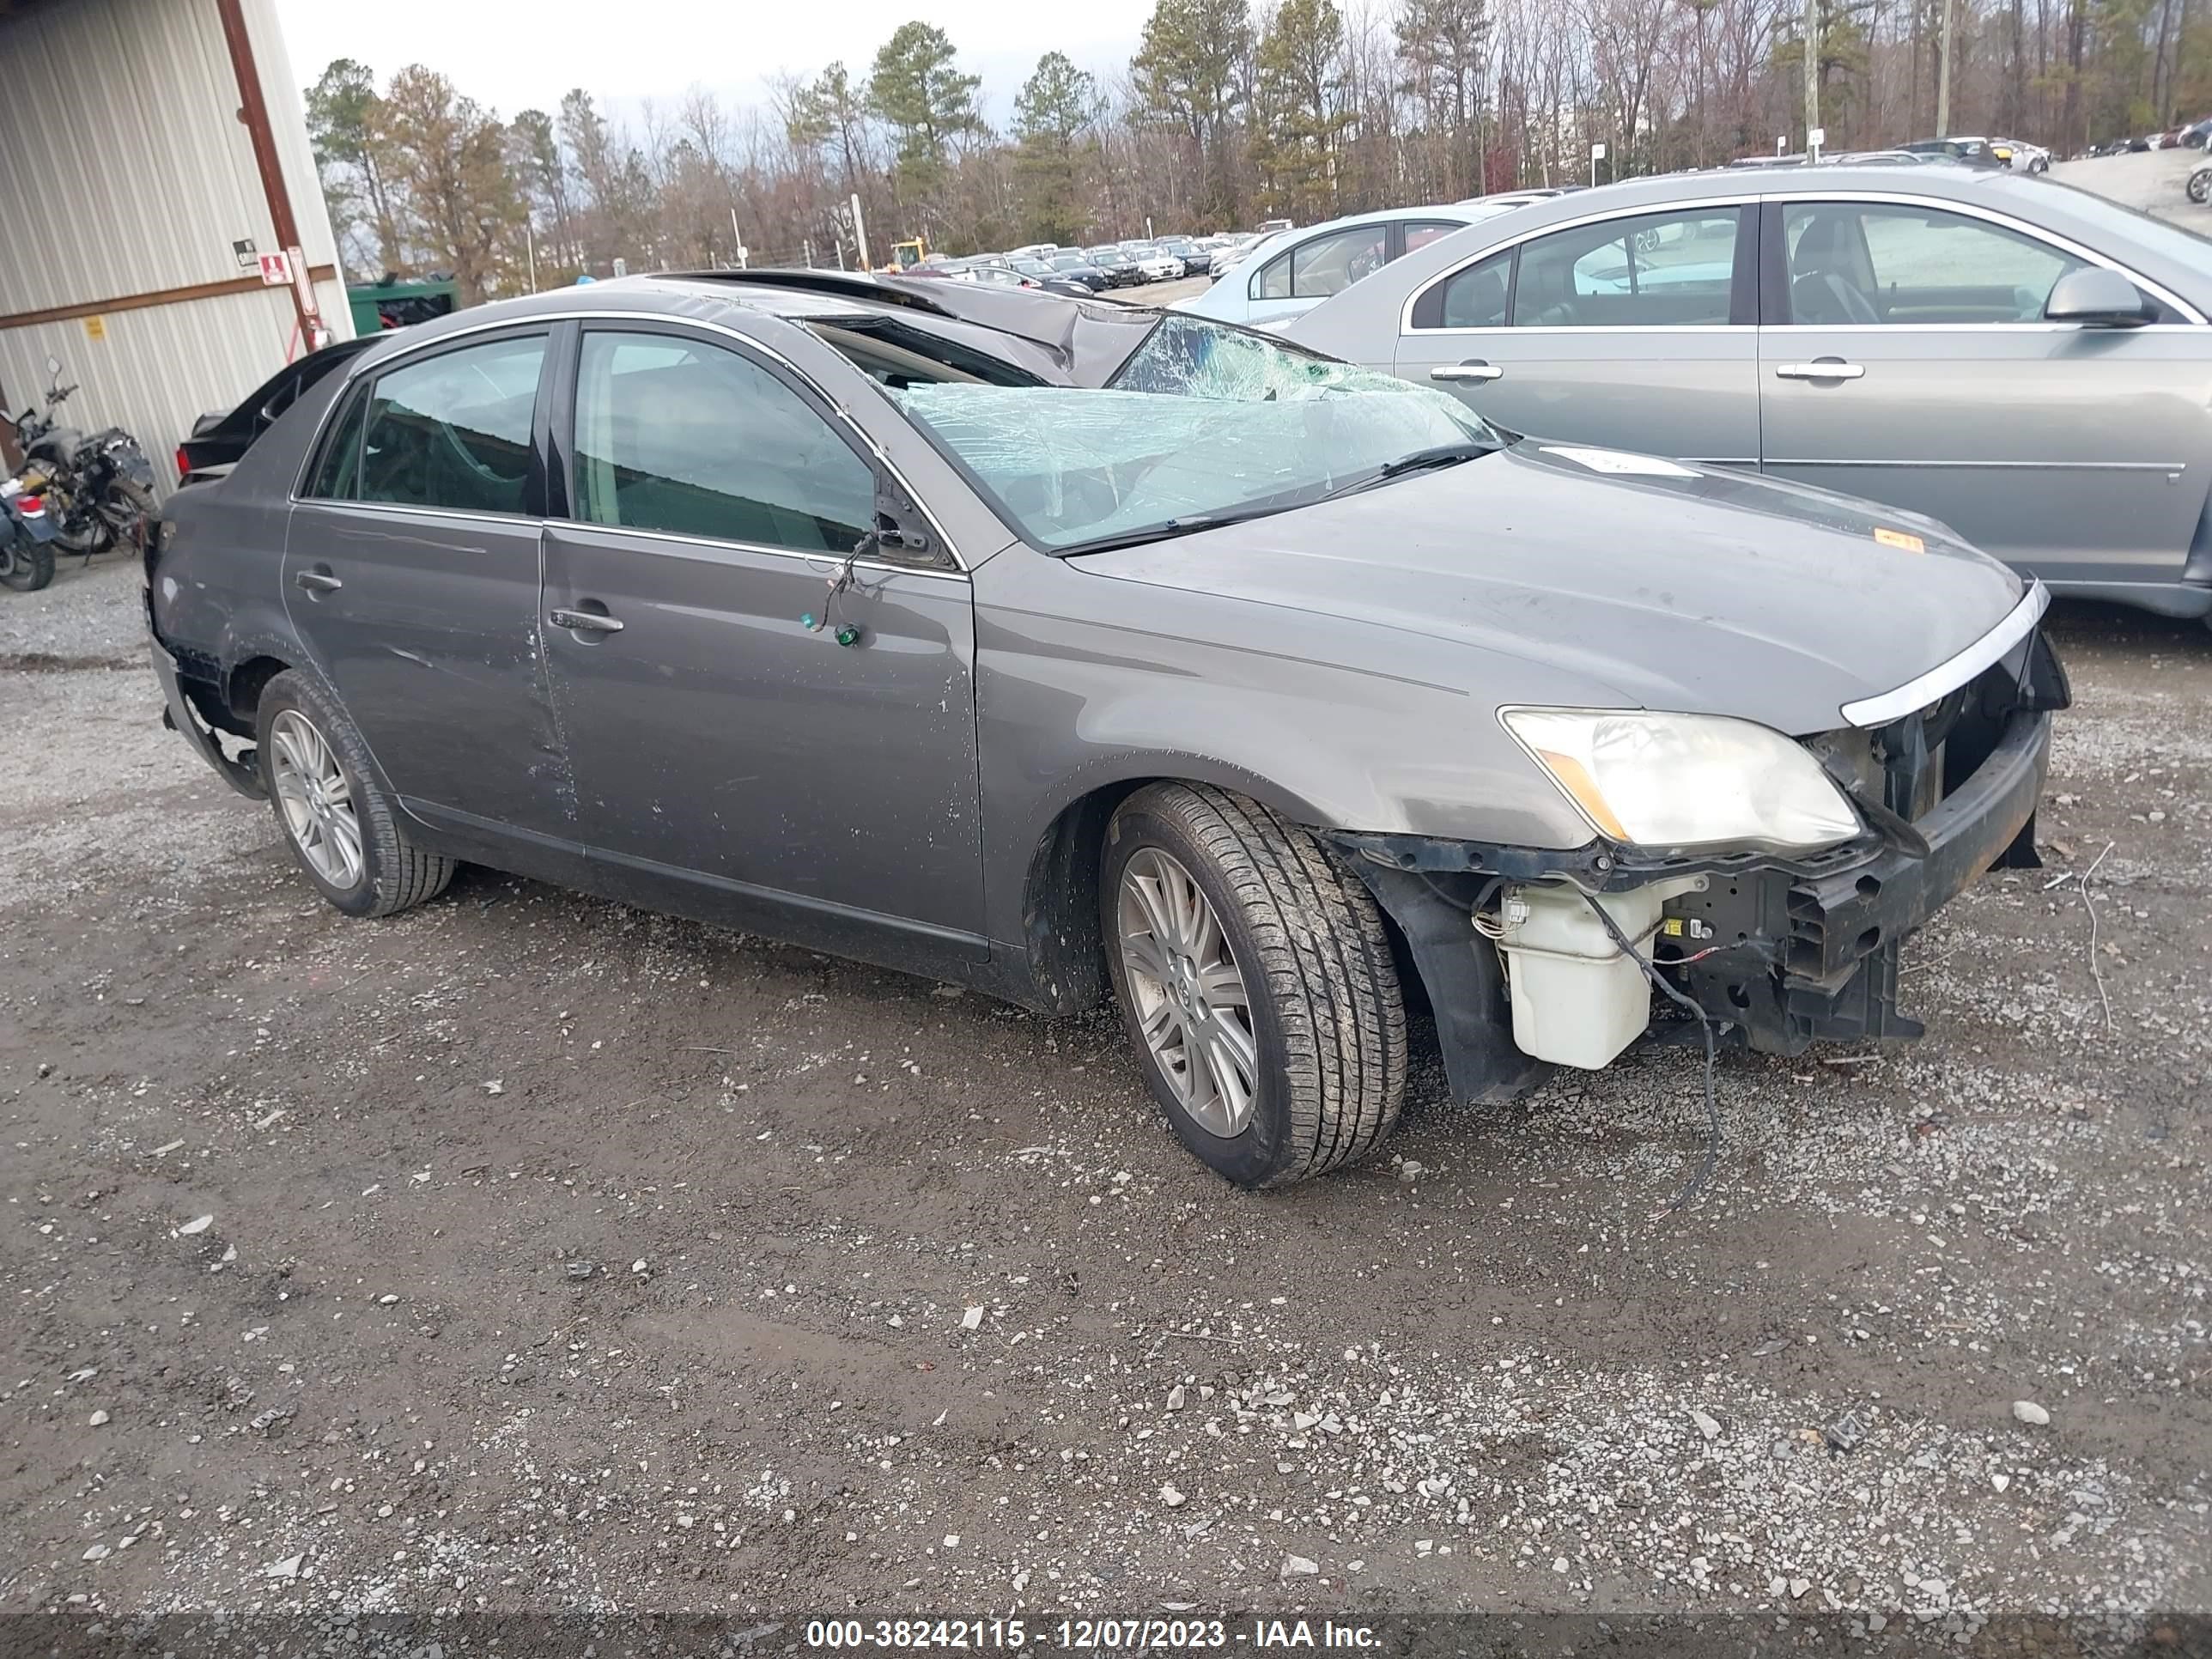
(1686,781)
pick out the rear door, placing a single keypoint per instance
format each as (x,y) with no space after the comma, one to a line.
(1906,360)
(410,575)
(734,750)
(1633,330)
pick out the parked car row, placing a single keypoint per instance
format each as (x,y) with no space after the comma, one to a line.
(1094,270)
(2191,136)
(1081,653)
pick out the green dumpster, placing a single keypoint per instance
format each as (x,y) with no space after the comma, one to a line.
(398,303)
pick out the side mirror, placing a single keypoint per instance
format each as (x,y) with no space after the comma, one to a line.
(54,366)
(2096,296)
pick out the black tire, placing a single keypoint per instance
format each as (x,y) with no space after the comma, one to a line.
(1327,1016)
(92,536)
(2200,185)
(395,875)
(28,567)
(125,511)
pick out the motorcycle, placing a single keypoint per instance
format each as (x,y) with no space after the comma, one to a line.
(98,489)
(2200,186)
(26,538)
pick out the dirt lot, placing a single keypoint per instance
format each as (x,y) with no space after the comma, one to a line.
(525,1251)
(2154,180)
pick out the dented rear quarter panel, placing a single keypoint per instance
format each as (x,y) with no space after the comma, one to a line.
(216,589)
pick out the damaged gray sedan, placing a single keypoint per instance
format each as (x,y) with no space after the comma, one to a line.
(1070,651)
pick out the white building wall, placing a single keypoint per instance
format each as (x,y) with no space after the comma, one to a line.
(124,171)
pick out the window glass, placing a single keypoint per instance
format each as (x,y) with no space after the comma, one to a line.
(1475,297)
(1273,282)
(454,431)
(1866,263)
(1655,270)
(1420,232)
(692,439)
(337,471)
(1329,264)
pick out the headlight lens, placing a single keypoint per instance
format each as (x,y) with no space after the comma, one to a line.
(1686,781)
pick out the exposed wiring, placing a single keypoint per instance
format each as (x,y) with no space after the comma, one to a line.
(1696,1183)
(2096,968)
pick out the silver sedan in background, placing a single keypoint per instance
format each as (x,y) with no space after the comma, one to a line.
(2026,363)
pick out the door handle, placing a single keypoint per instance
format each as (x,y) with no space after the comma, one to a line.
(586,621)
(1474,370)
(318,582)
(1820,368)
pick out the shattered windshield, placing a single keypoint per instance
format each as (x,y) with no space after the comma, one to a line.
(1202,423)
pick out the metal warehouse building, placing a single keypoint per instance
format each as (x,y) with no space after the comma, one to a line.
(151,152)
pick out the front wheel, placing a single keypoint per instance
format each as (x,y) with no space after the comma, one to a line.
(340,825)
(1256,982)
(25,565)
(2200,185)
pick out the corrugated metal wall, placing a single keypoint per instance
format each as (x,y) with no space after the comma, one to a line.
(125,170)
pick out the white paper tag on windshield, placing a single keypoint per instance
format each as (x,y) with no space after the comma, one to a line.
(1620,462)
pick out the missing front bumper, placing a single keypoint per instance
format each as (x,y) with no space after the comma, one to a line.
(1782,952)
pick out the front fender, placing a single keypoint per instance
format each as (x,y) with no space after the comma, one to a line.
(1086,684)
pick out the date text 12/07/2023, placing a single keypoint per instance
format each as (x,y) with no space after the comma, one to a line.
(1084,1635)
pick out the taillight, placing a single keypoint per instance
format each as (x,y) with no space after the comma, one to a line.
(183,464)
(30,506)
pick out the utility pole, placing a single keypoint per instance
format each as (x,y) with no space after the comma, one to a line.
(1943,76)
(1811,68)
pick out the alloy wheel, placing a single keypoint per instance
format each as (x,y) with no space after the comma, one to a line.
(316,799)
(1188,993)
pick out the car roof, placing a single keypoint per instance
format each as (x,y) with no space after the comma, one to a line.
(1471,213)
(1060,340)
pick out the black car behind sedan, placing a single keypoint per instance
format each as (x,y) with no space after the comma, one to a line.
(1121,272)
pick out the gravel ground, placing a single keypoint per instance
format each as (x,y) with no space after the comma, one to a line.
(2153,180)
(528,1252)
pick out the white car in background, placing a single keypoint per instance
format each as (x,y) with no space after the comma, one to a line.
(2025,157)
(1292,271)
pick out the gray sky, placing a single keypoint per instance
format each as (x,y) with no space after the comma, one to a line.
(524,52)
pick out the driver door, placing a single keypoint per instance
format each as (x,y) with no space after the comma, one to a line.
(1904,358)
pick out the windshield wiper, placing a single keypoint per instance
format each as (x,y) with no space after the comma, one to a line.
(1171,529)
(1420,460)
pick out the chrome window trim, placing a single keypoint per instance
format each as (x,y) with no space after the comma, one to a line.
(1534,329)
(401,510)
(826,564)
(2176,468)
(1947,677)
(1886,198)
(648,319)
(1406,312)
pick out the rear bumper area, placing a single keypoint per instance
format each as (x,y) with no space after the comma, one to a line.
(179,716)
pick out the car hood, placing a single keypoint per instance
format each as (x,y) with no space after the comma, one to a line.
(1660,586)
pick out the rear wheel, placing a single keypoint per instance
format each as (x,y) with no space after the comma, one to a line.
(124,510)
(25,565)
(1256,982)
(340,825)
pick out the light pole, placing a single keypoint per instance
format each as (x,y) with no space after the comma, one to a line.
(1811,67)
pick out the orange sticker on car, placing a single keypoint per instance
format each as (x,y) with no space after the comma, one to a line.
(1899,538)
